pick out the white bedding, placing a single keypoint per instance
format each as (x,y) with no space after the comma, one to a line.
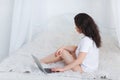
(14,66)
(21,61)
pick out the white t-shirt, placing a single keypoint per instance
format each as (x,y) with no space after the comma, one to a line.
(87,45)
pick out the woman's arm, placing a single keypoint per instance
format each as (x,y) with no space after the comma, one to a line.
(71,49)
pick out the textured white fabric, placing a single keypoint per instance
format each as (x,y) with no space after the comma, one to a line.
(21,24)
(47,43)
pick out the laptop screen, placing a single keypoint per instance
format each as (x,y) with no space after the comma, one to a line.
(38,64)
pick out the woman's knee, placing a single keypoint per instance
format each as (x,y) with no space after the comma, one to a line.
(65,53)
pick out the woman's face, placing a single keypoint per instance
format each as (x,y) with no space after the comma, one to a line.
(78,30)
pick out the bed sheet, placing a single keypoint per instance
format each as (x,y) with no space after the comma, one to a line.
(15,66)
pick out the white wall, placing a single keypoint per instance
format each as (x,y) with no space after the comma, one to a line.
(100,10)
(116,19)
(5,26)
(38,15)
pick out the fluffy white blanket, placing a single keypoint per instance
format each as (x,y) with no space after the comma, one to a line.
(21,60)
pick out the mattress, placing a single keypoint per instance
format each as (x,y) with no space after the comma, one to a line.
(21,66)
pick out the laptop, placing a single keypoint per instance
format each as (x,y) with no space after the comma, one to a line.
(44,70)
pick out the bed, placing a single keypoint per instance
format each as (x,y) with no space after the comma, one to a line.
(20,65)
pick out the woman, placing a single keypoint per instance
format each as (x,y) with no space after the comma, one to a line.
(85,56)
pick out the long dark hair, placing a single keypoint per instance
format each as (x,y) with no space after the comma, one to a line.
(84,22)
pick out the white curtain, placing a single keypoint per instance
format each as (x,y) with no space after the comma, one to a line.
(21,29)
(116,17)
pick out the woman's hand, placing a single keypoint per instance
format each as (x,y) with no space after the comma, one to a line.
(58,70)
(59,51)
(71,49)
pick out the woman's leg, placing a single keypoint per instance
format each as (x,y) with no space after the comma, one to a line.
(69,58)
(66,56)
(50,59)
